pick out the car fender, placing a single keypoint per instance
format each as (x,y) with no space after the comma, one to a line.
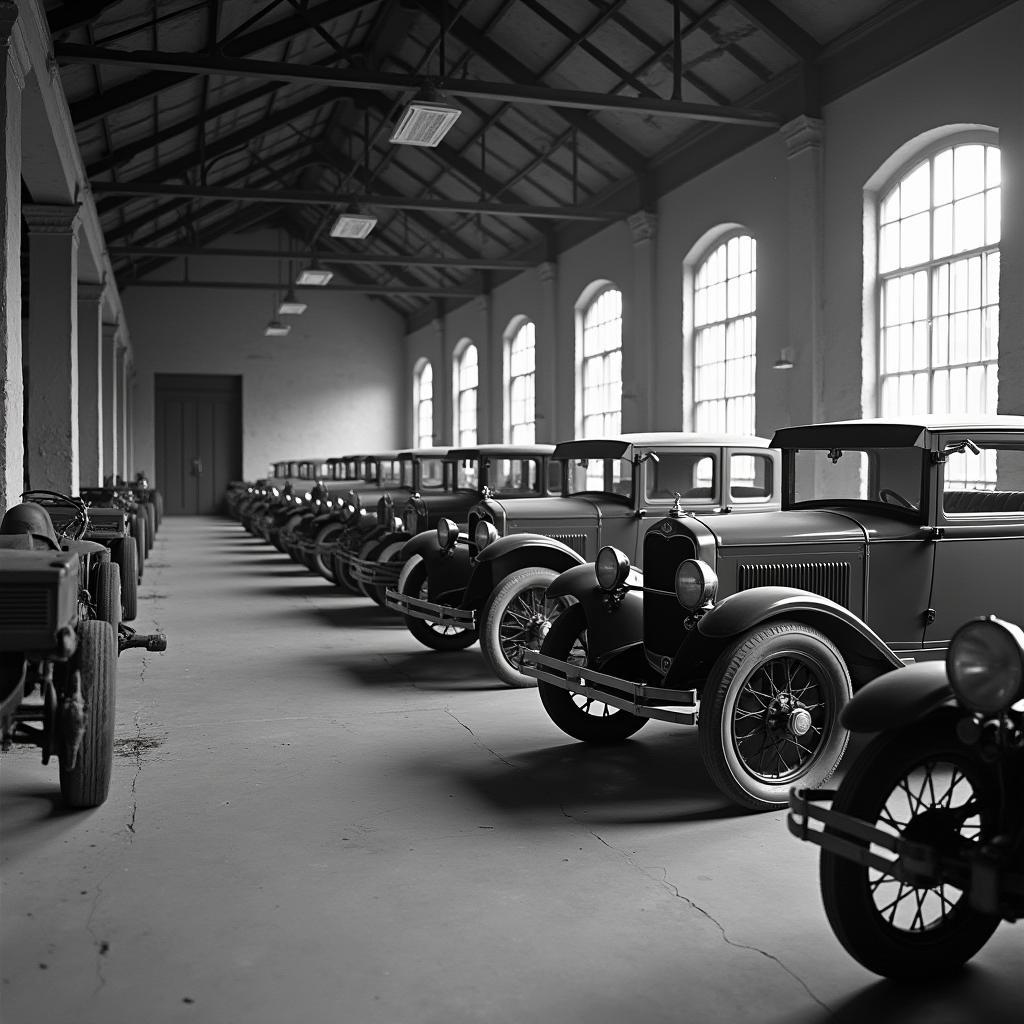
(614,621)
(446,571)
(899,698)
(507,555)
(422,544)
(410,563)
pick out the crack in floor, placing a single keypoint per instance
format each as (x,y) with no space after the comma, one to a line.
(674,890)
(478,741)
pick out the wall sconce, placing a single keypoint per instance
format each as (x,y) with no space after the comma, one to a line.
(785,360)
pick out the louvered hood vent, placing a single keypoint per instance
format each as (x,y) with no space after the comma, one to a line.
(826,579)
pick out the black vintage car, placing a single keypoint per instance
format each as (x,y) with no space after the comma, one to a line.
(613,491)
(759,628)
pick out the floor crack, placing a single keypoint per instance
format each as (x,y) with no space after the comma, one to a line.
(674,890)
(478,741)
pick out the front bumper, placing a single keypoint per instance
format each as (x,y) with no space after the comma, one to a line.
(663,703)
(373,573)
(429,611)
(991,885)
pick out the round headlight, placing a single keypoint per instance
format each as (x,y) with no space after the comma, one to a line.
(329,503)
(484,534)
(985,664)
(397,526)
(308,496)
(275,492)
(696,584)
(447,534)
(612,568)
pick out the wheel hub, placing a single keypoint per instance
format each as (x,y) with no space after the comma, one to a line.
(786,713)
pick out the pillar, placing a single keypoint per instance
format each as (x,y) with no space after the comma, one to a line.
(548,409)
(442,384)
(122,411)
(90,384)
(489,401)
(638,356)
(14,65)
(108,372)
(804,383)
(53,347)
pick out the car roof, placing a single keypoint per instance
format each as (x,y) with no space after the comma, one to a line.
(426,453)
(502,450)
(616,447)
(909,432)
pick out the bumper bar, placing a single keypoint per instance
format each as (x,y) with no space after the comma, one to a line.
(638,698)
(373,573)
(444,614)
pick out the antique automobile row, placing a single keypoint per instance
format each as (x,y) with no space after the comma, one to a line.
(778,634)
(62,627)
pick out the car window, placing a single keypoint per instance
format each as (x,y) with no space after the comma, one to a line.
(890,476)
(986,482)
(432,473)
(467,474)
(390,472)
(691,475)
(556,467)
(750,477)
(513,476)
(612,476)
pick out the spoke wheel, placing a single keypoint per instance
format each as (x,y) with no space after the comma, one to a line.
(769,715)
(439,636)
(516,618)
(578,714)
(918,783)
(327,535)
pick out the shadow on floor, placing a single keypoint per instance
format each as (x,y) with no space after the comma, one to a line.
(441,671)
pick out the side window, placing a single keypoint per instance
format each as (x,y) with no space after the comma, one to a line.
(987,483)
(691,475)
(750,477)
(556,468)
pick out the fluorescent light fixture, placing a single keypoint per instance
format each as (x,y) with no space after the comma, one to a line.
(290,305)
(352,224)
(424,122)
(276,329)
(315,275)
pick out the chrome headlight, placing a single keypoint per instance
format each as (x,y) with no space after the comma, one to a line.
(447,534)
(397,526)
(985,664)
(308,496)
(484,534)
(612,568)
(412,521)
(275,492)
(696,584)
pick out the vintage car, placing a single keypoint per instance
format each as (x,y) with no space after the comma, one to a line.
(922,850)
(58,660)
(500,471)
(284,506)
(757,629)
(614,490)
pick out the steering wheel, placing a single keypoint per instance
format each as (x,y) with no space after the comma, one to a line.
(58,498)
(891,497)
(75,527)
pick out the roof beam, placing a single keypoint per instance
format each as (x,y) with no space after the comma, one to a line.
(76,14)
(315,198)
(450,291)
(512,92)
(767,17)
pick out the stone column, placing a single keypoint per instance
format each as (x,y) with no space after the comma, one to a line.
(638,356)
(90,383)
(1011,257)
(14,64)
(109,374)
(443,421)
(489,399)
(122,411)
(804,383)
(53,347)
(554,418)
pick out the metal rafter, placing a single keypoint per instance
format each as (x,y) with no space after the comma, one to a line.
(76,14)
(767,17)
(437,291)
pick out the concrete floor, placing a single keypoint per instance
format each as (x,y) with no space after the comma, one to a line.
(315,819)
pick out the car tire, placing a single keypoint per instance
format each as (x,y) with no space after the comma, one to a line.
(581,717)
(126,558)
(150,517)
(516,617)
(755,763)
(88,782)
(435,635)
(894,928)
(139,532)
(107,596)
(158,508)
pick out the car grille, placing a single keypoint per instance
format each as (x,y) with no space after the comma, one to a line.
(826,579)
(663,618)
(28,606)
(576,541)
(105,528)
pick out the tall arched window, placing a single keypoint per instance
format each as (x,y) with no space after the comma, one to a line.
(520,372)
(467,379)
(725,337)
(938,264)
(601,366)
(423,405)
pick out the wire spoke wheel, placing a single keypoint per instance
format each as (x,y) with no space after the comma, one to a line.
(439,636)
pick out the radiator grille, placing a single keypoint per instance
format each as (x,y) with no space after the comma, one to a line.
(576,541)
(28,606)
(663,618)
(827,579)
(106,527)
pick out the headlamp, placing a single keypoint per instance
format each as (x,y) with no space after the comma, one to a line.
(612,568)
(447,534)
(484,534)
(696,584)
(985,664)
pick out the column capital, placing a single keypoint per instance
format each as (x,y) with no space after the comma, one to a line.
(12,39)
(802,133)
(51,218)
(91,291)
(483,304)
(548,270)
(643,225)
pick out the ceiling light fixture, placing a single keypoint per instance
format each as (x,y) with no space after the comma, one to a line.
(785,360)
(425,120)
(353,224)
(290,304)
(276,329)
(315,275)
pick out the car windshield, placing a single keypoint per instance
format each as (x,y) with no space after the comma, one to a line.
(514,476)
(612,476)
(691,475)
(431,473)
(467,474)
(889,475)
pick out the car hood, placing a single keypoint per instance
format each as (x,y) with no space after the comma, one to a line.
(809,526)
(522,511)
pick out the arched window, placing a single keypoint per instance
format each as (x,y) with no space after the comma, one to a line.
(725,337)
(467,379)
(938,276)
(520,373)
(423,405)
(601,366)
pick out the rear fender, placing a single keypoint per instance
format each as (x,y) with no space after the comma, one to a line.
(899,698)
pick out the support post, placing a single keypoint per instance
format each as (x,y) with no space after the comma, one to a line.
(90,383)
(638,355)
(109,374)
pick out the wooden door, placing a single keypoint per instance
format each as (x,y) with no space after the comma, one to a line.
(198,440)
